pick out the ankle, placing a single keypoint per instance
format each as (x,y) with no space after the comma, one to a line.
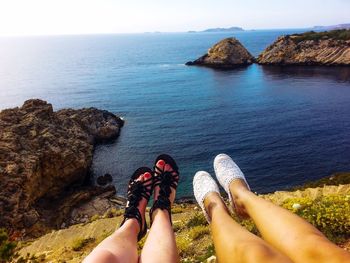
(160,213)
(238,189)
(213,202)
(131,225)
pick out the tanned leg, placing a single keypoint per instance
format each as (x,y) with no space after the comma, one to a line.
(285,231)
(232,242)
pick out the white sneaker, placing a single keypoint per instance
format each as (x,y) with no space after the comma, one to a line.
(203,184)
(226,171)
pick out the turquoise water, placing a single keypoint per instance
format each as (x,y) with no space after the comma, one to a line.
(283,126)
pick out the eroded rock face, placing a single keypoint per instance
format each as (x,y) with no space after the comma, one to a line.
(287,51)
(43,152)
(227,53)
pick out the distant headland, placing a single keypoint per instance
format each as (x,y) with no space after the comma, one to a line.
(339,26)
(219,29)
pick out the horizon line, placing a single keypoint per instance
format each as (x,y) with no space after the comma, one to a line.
(152,32)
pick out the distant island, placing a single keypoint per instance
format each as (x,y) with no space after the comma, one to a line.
(226,54)
(219,29)
(340,26)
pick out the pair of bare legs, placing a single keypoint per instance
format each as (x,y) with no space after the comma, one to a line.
(286,237)
(121,246)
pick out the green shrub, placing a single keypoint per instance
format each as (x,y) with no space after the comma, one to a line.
(80,243)
(113,213)
(339,34)
(94,218)
(198,232)
(30,259)
(330,214)
(178,226)
(197,219)
(177,210)
(6,247)
(184,243)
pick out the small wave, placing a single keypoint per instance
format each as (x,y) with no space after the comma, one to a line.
(171,65)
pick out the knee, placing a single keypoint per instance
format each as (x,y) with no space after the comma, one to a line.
(255,252)
(101,255)
(321,249)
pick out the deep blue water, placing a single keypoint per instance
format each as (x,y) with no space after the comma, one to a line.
(283,126)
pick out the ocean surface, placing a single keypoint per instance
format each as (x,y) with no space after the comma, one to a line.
(283,126)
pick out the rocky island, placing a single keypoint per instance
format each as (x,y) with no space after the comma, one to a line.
(219,30)
(228,53)
(310,48)
(45,158)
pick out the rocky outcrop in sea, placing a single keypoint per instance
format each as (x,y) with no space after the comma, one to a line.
(45,158)
(300,50)
(228,53)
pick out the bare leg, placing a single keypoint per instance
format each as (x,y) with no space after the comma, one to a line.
(232,242)
(284,230)
(160,245)
(121,246)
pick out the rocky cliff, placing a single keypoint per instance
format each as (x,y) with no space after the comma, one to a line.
(324,48)
(228,53)
(42,154)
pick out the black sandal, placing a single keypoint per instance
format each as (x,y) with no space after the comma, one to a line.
(136,191)
(166,181)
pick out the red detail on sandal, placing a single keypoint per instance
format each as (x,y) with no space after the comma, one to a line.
(147,175)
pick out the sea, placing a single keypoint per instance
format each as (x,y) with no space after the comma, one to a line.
(282,125)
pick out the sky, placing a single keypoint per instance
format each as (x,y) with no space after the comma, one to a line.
(54,17)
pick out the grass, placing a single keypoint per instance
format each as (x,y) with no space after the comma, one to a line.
(177,210)
(6,246)
(341,34)
(198,231)
(80,243)
(197,219)
(330,214)
(94,218)
(113,213)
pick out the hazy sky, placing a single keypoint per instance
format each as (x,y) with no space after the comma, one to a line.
(41,17)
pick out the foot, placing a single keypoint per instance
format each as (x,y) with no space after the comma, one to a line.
(204,186)
(237,189)
(143,202)
(229,174)
(166,179)
(139,191)
(161,165)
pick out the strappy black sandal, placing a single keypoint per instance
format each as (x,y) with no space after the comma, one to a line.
(136,191)
(165,181)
